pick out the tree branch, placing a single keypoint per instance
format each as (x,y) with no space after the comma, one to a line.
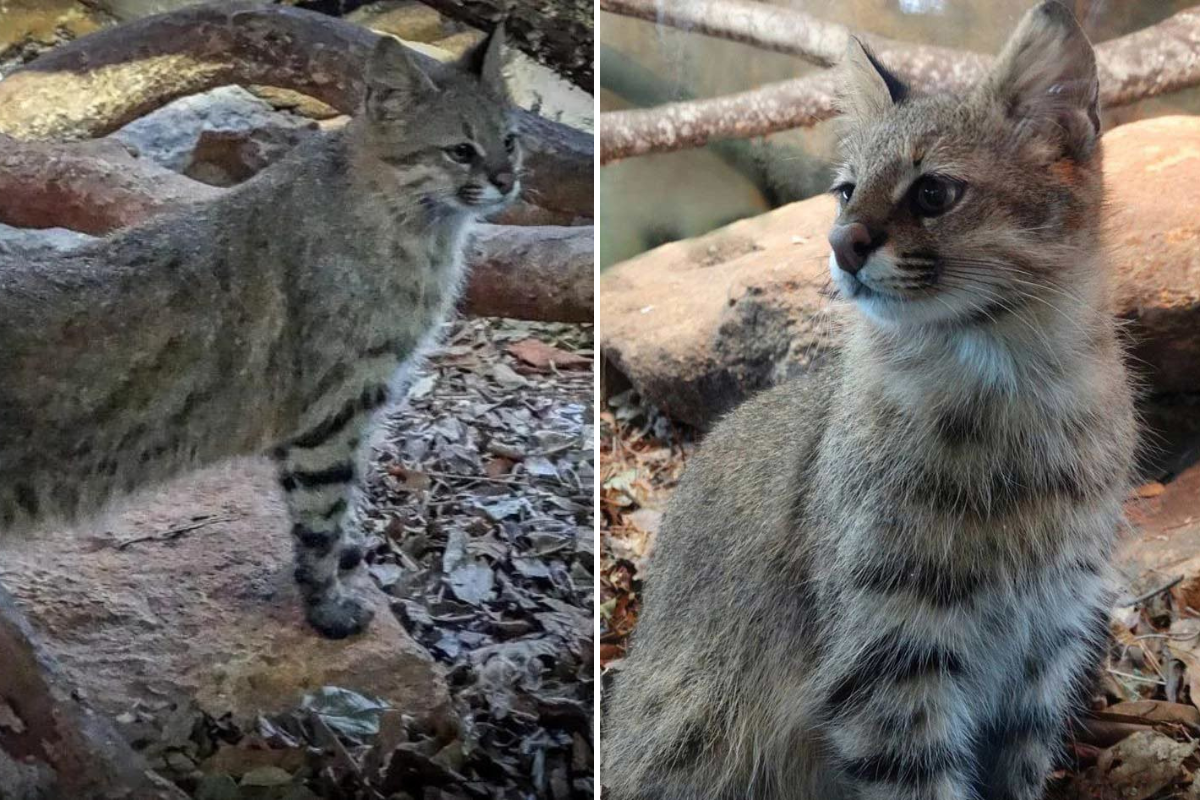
(96,84)
(768,27)
(1157,60)
(528,272)
(557,33)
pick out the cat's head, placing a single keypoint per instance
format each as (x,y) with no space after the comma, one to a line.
(958,210)
(447,130)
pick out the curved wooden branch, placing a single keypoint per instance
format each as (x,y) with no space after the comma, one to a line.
(769,27)
(96,84)
(527,272)
(557,33)
(1157,60)
(92,187)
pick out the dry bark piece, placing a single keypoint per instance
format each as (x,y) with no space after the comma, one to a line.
(1137,767)
(1156,711)
(94,85)
(545,357)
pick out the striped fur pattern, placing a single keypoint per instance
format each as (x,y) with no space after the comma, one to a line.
(278,319)
(890,579)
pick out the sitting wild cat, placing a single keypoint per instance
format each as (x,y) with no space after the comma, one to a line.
(889,580)
(275,319)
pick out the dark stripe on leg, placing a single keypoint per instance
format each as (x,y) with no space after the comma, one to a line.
(893,659)
(338,473)
(370,399)
(318,543)
(910,769)
(931,583)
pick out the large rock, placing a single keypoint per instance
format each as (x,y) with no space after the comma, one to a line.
(188,595)
(699,325)
(51,743)
(169,135)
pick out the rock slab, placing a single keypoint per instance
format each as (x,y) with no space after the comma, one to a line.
(700,325)
(187,595)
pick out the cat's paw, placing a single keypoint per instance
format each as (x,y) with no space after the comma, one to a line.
(350,557)
(339,615)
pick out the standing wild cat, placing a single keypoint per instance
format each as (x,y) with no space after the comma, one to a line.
(889,581)
(277,318)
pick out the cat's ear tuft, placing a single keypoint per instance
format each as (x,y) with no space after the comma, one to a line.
(867,88)
(1046,78)
(393,76)
(486,61)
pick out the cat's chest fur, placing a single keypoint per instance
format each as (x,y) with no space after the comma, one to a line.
(952,480)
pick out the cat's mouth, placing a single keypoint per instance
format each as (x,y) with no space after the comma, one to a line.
(485,199)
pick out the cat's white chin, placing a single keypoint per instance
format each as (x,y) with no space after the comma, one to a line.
(888,309)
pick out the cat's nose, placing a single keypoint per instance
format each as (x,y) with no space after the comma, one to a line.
(852,245)
(504,181)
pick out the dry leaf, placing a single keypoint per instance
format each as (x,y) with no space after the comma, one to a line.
(543,357)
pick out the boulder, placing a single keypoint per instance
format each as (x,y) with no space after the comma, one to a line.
(169,135)
(699,325)
(51,743)
(186,595)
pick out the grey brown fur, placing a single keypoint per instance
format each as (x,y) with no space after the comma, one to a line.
(890,580)
(276,319)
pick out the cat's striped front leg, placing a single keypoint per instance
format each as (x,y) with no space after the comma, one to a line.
(898,720)
(318,472)
(1019,749)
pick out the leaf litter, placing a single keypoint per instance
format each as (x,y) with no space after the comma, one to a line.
(1140,736)
(479,524)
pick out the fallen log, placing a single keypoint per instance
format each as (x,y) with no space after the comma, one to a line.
(527,272)
(699,325)
(94,85)
(91,187)
(543,273)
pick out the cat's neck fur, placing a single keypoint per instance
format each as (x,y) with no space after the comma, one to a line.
(1037,354)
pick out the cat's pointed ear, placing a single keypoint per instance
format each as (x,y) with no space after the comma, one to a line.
(486,60)
(867,89)
(1046,80)
(394,75)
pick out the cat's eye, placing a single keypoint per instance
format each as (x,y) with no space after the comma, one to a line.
(933,196)
(510,143)
(844,191)
(462,153)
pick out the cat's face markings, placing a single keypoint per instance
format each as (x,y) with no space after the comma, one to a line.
(950,208)
(446,130)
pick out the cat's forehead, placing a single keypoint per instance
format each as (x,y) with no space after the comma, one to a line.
(477,109)
(939,132)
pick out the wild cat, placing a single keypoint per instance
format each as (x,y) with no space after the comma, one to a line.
(275,319)
(890,581)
